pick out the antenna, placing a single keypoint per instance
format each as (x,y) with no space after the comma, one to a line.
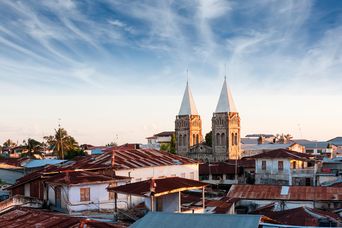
(225,71)
(187,75)
(300,131)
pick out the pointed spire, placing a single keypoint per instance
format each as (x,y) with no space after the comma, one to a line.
(226,102)
(188,106)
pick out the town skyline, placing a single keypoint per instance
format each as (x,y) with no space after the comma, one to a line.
(110,68)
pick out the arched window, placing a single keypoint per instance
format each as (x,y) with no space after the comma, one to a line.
(236,139)
(197,139)
(193,139)
(180,140)
(184,140)
(218,139)
(223,139)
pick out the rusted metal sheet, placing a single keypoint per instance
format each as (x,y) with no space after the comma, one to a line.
(269,192)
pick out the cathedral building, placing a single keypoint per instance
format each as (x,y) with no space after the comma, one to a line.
(225,129)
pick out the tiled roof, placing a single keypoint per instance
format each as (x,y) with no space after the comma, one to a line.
(283,153)
(161,186)
(27,217)
(82,177)
(295,193)
(301,216)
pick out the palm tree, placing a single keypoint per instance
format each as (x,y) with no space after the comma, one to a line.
(61,142)
(32,145)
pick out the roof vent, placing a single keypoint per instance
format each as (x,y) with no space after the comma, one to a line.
(284,190)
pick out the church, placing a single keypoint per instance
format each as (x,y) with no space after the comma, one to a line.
(225,129)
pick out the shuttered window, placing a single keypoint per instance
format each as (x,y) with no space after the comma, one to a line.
(84,194)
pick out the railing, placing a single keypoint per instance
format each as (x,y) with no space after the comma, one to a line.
(305,171)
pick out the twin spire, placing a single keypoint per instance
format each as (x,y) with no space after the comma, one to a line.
(225,103)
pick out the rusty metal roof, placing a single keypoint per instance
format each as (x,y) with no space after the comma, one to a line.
(283,153)
(28,217)
(82,177)
(227,167)
(301,216)
(161,186)
(295,193)
(132,159)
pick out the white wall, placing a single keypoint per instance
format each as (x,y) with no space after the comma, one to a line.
(272,166)
(160,171)
(99,198)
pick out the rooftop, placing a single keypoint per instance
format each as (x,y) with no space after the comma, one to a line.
(283,153)
(171,220)
(82,177)
(28,217)
(301,216)
(162,186)
(165,134)
(290,193)
(188,106)
(226,102)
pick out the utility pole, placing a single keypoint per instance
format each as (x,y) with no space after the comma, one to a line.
(60,138)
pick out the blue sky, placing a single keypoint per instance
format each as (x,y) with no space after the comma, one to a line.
(119,67)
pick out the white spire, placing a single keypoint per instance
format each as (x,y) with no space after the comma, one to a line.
(188,106)
(226,102)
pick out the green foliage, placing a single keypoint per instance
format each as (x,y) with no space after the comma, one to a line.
(169,147)
(74,153)
(61,142)
(209,139)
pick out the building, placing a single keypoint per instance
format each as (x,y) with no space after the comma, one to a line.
(137,164)
(77,191)
(261,147)
(252,197)
(225,129)
(162,194)
(157,140)
(284,167)
(188,124)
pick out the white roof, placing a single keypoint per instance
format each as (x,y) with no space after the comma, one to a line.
(226,102)
(188,106)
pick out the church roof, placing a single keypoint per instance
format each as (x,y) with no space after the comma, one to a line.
(188,106)
(226,102)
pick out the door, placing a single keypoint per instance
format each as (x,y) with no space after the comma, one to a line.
(58,197)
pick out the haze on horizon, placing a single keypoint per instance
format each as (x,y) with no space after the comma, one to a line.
(112,69)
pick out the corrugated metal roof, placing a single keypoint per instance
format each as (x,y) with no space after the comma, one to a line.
(283,153)
(171,220)
(28,217)
(162,185)
(43,162)
(82,177)
(295,193)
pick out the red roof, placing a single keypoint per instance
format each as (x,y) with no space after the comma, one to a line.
(82,177)
(301,216)
(283,153)
(159,187)
(28,217)
(131,159)
(295,193)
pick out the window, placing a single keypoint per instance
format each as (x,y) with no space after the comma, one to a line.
(84,194)
(180,143)
(294,165)
(263,165)
(218,139)
(192,175)
(233,139)
(223,139)
(280,165)
(193,139)
(197,139)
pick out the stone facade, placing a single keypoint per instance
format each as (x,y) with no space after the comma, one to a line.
(226,136)
(188,133)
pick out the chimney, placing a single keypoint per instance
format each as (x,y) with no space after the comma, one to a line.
(261,140)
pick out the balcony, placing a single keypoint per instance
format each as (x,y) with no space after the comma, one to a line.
(305,172)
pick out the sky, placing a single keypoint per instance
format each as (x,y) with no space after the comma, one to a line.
(112,70)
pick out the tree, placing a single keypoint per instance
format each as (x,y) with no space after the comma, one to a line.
(209,139)
(61,142)
(9,143)
(32,145)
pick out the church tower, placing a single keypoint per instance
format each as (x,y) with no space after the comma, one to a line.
(188,124)
(226,127)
